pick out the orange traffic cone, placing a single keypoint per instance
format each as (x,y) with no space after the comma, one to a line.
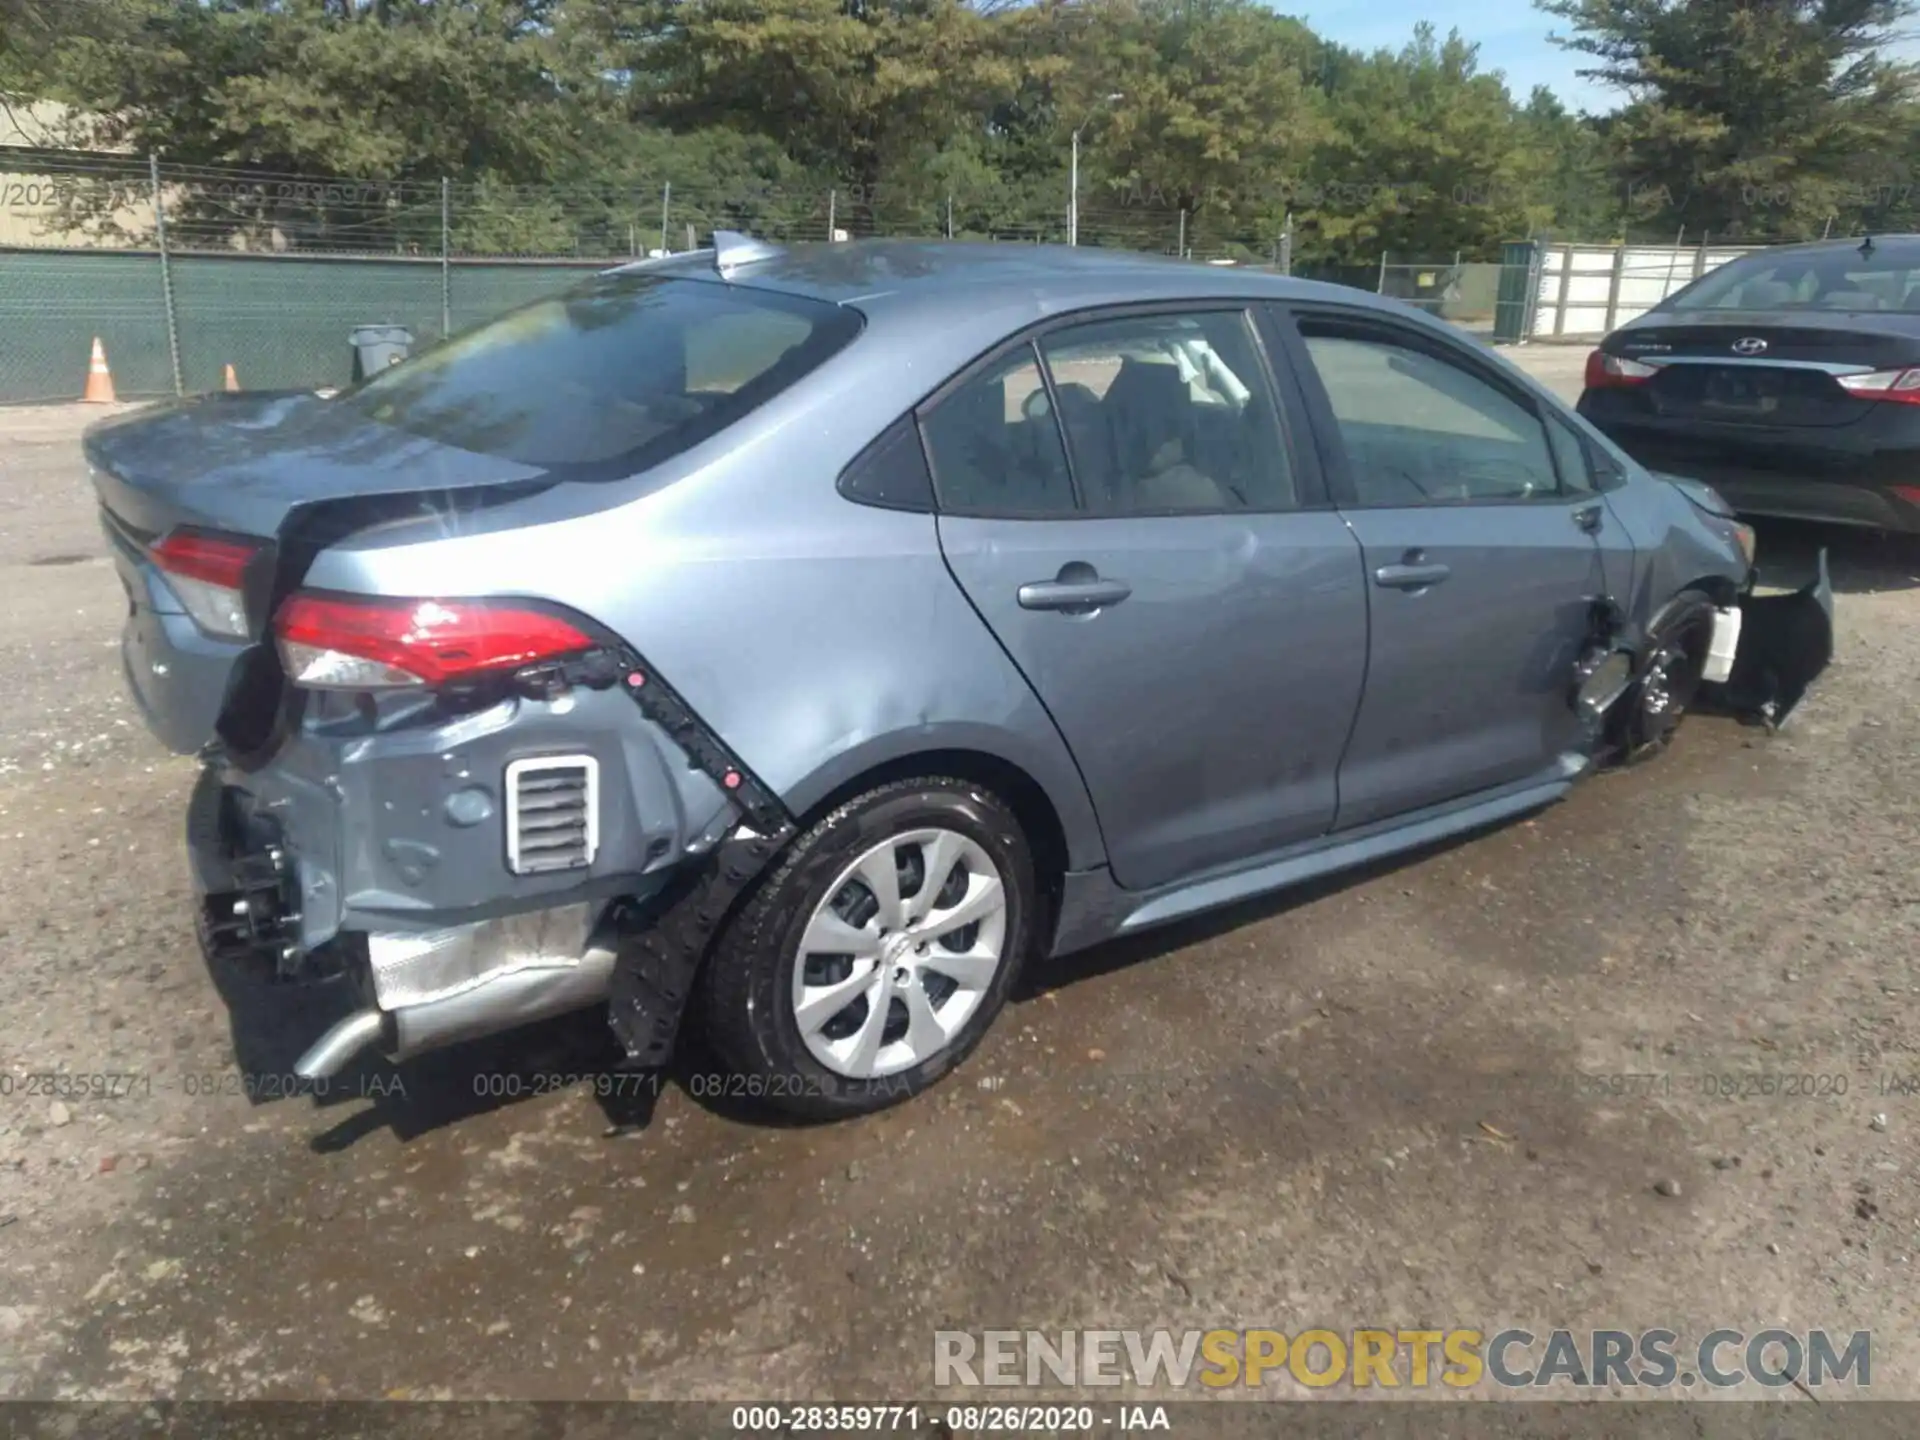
(99,389)
(233,381)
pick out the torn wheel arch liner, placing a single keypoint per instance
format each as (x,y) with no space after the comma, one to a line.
(663,940)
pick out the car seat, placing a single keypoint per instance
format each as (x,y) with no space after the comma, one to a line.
(1089,440)
(1149,415)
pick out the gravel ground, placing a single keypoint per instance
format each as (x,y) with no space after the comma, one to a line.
(1359,1105)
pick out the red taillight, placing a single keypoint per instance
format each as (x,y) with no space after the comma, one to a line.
(1902,387)
(205,558)
(333,643)
(208,573)
(1605,371)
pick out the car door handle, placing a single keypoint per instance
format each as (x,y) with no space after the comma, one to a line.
(1590,518)
(1410,577)
(1073,595)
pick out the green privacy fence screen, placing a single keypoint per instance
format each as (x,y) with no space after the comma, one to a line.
(51,307)
(281,322)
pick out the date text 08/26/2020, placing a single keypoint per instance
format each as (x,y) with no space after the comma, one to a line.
(958,1419)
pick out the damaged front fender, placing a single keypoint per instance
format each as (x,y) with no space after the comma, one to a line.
(1786,642)
(1608,666)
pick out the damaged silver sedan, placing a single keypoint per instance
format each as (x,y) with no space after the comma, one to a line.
(801,643)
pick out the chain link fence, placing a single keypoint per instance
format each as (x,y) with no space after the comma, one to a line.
(1463,291)
(181,271)
(280,322)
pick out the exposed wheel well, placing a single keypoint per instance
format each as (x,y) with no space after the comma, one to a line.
(1021,791)
(1685,605)
(1686,620)
(1717,588)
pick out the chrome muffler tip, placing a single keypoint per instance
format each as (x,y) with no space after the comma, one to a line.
(329,1055)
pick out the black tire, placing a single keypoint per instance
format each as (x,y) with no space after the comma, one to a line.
(746,990)
(1677,647)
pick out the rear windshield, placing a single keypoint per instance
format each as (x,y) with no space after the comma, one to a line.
(628,368)
(1842,280)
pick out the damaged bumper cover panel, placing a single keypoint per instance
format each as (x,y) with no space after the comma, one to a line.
(1785,643)
(351,829)
(1764,653)
(383,858)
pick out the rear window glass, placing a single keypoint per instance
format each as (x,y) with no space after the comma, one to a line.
(628,369)
(1842,280)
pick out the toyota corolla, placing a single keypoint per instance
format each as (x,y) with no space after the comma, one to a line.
(800,643)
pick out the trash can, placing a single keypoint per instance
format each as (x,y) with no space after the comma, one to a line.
(375,347)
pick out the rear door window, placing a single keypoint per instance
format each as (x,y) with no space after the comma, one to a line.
(995,447)
(619,374)
(1169,414)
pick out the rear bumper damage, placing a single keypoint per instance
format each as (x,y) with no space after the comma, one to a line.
(436,989)
(417,986)
(433,990)
(384,861)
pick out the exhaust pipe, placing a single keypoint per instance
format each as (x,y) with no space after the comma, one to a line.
(329,1055)
(518,990)
(504,1002)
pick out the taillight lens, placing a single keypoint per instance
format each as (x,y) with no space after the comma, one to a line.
(352,643)
(1900,386)
(208,574)
(1604,371)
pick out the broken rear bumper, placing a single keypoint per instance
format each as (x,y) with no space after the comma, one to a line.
(385,856)
(436,989)
(416,989)
(1786,643)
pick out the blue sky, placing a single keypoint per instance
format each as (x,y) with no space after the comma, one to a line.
(1512,36)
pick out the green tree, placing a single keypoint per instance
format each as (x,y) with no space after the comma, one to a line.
(1750,119)
(1573,174)
(1217,118)
(849,88)
(488,93)
(559,122)
(1426,156)
(34,35)
(333,87)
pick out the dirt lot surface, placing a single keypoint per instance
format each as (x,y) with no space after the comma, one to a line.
(1383,1102)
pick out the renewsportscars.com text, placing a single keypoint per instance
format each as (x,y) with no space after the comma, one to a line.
(1382,1358)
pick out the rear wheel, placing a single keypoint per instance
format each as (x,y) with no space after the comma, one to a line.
(877,953)
(1676,659)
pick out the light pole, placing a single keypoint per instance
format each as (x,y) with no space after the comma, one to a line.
(1073,182)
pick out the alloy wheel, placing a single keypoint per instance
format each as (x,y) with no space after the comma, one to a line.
(900,953)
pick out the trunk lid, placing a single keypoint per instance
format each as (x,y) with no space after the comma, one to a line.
(246,466)
(243,463)
(1764,368)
